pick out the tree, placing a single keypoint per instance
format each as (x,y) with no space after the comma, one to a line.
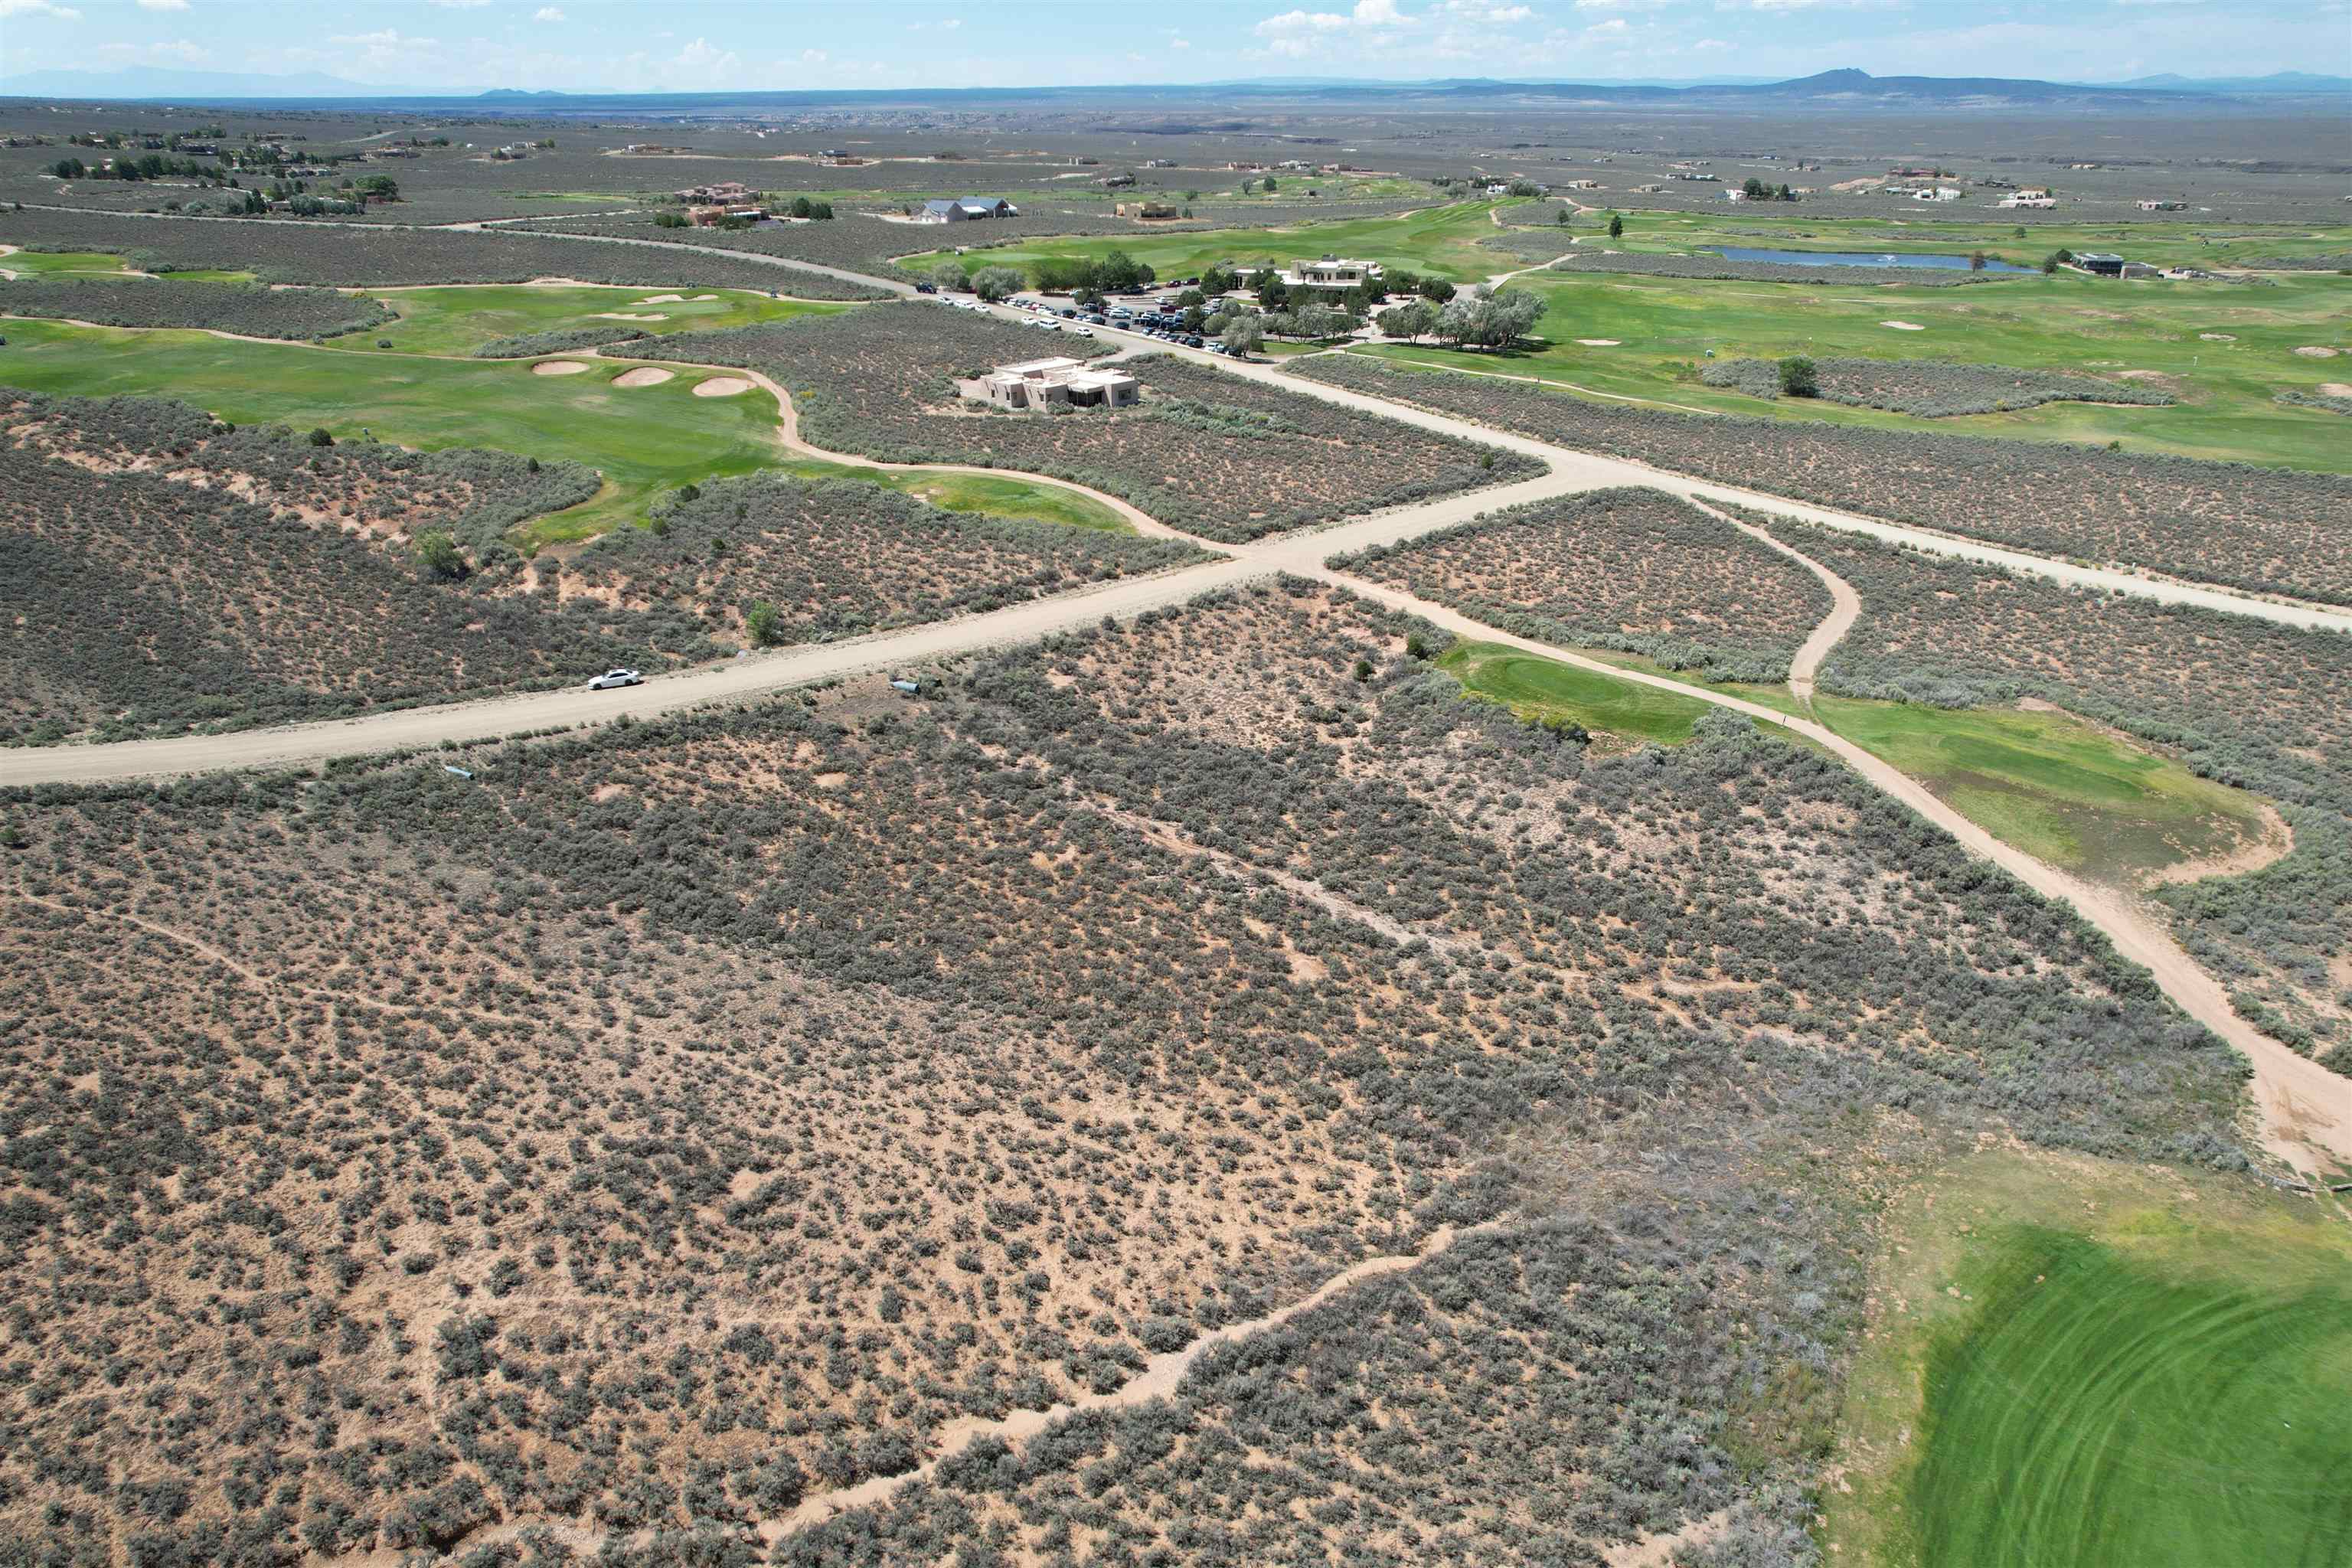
(1799,378)
(2050,264)
(1616,226)
(994,283)
(319,437)
(438,554)
(1412,320)
(1270,186)
(1976,261)
(1243,335)
(763,623)
(1436,290)
(950,275)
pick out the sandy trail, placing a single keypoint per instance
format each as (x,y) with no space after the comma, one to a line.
(1160,1377)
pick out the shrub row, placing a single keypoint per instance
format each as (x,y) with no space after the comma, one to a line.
(248,310)
(1932,389)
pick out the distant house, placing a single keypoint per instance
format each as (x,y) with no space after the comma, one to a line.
(2161,206)
(1049,383)
(967,209)
(1937,193)
(1735,195)
(721,195)
(2042,199)
(1498,188)
(1114,182)
(2105,264)
(1148,211)
(1581,185)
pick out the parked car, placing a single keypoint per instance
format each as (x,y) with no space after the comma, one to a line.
(927,289)
(1194,341)
(612,678)
(1084,331)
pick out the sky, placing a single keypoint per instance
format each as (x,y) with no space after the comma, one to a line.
(462,46)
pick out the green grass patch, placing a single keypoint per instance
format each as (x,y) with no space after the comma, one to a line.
(994,494)
(2057,788)
(458,321)
(42,263)
(645,440)
(1779,699)
(1618,714)
(2072,1362)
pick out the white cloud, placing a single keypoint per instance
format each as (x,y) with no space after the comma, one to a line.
(952,23)
(703,56)
(1294,32)
(38,8)
(1710,43)
(1488,13)
(814,56)
(163,5)
(549,13)
(1620,5)
(459,5)
(1176,43)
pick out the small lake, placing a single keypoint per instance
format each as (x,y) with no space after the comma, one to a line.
(1857,258)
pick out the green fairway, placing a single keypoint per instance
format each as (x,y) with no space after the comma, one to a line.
(1437,239)
(1618,714)
(2075,1363)
(456,321)
(2225,384)
(2061,790)
(645,440)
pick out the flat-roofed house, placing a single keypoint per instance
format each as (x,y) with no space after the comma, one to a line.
(1045,383)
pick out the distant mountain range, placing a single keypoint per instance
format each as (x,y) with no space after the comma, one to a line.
(1853,90)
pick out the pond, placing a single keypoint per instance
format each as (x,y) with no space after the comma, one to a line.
(1857,258)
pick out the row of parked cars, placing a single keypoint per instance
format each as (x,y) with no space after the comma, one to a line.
(1153,319)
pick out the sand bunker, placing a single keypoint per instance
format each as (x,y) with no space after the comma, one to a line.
(1599,342)
(2313,350)
(700,297)
(2143,375)
(2336,389)
(663,299)
(1903,326)
(644,375)
(558,367)
(721,386)
(2218,337)
(627,316)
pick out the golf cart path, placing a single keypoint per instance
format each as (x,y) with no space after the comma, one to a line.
(1845,608)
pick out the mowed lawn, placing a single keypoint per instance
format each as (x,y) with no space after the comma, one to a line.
(458,321)
(645,440)
(2054,786)
(1441,240)
(2072,1363)
(1618,714)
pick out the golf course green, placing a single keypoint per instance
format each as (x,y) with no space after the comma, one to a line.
(2075,1363)
(1618,714)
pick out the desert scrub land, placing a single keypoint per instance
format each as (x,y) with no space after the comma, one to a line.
(1205,452)
(159,570)
(1932,389)
(674,1122)
(2058,1350)
(1636,570)
(468,319)
(837,558)
(360,254)
(2240,702)
(245,309)
(2263,529)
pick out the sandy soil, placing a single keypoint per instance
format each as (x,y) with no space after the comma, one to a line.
(663,299)
(1599,343)
(2336,389)
(644,375)
(1903,326)
(2218,337)
(558,367)
(721,386)
(630,316)
(2313,350)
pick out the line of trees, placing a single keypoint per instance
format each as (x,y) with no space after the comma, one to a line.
(1478,319)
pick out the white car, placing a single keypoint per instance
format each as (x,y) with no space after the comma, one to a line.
(611,678)
(1083,331)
